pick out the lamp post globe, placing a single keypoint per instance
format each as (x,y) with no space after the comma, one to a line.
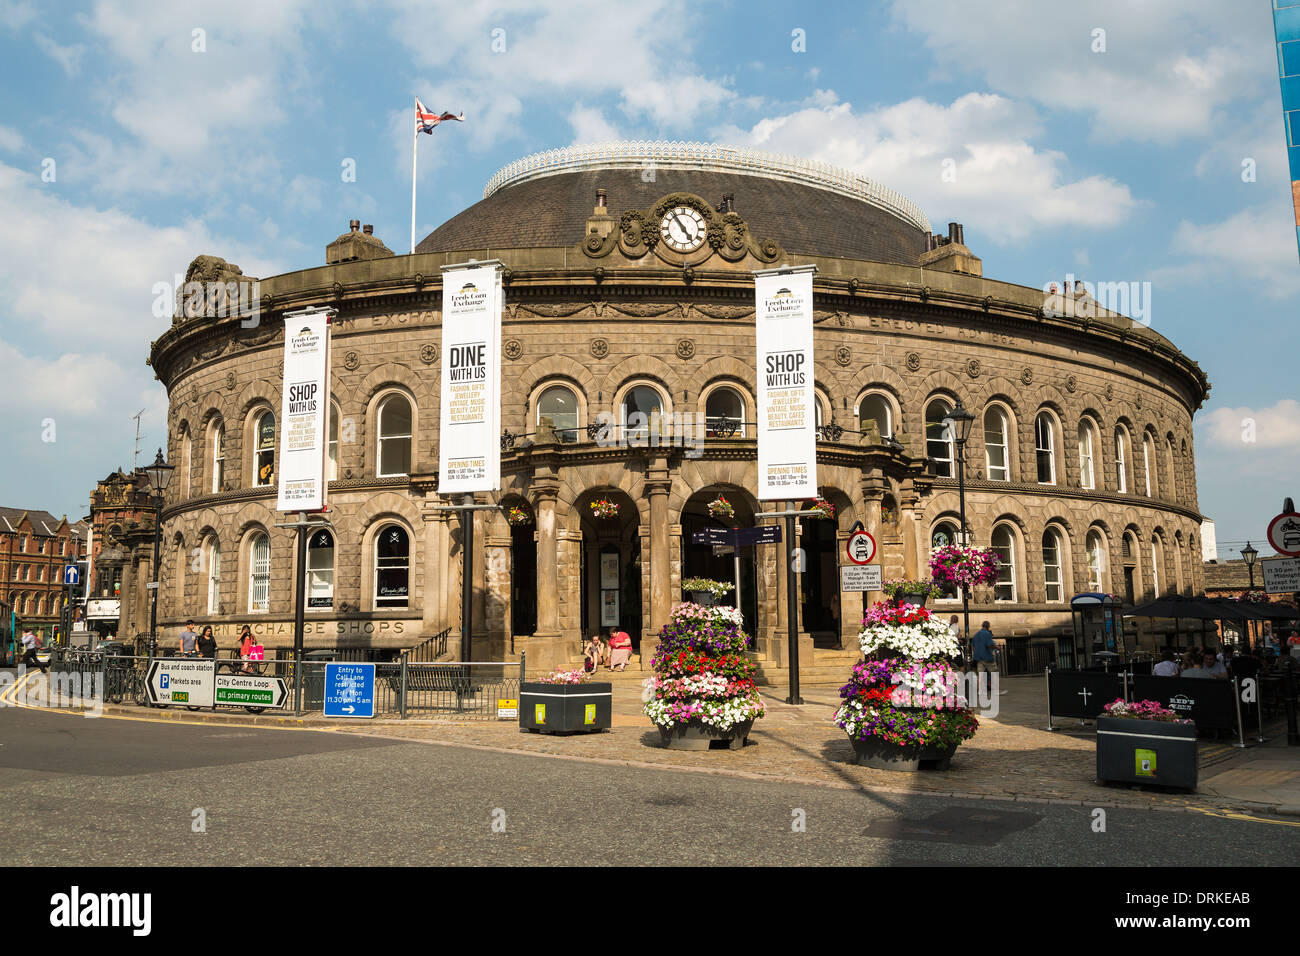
(1249,555)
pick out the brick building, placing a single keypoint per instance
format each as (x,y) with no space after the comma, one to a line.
(34,548)
(122,517)
(1080,468)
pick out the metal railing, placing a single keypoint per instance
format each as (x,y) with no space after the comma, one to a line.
(428,651)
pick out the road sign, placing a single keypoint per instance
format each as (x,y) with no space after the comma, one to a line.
(71,574)
(181,680)
(860,577)
(722,537)
(250,690)
(1281,575)
(349,690)
(1284,534)
(861,547)
(765,534)
(712,536)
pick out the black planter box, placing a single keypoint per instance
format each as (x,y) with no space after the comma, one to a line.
(1145,752)
(565,708)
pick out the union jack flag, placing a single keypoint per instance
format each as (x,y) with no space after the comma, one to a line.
(425,121)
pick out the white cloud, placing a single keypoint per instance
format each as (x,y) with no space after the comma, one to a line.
(1256,244)
(68,57)
(1001,182)
(10,139)
(1169,69)
(590,125)
(1273,428)
(675,103)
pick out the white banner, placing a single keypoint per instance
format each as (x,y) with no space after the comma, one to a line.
(303,409)
(469,440)
(787,438)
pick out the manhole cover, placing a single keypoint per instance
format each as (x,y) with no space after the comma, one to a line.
(954,825)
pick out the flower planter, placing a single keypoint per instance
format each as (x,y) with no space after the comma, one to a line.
(1145,752)
(565,708)
(703,598)
(696,735)
(918,599)
(877,753)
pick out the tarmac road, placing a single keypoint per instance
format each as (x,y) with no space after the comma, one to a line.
(76,791)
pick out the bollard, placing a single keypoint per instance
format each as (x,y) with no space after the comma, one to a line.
(1241,729)
(1047,673)
(401,702)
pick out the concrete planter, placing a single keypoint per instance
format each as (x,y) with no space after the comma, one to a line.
(1145,752)
(874,752)
(703,598)
(696,735)
(565,708)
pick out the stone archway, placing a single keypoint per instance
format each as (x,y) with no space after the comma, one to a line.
(610,565)
(738,567)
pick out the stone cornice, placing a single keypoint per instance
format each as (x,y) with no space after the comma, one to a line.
(1095,496)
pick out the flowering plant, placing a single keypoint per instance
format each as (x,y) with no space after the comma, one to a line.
(716,588)
(1253,597)
(1143,710)
(964,567)
(720,507)
(922,589)
(821,508)
(517,516)
(906,629)
(906,704)
(701,673)
(604,508)
(578,676)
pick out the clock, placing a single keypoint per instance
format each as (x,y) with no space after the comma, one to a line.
(683,229)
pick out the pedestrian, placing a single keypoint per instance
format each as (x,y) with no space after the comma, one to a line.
(31,643)
(1167,667)
(982,653)
(620,649)
(207,644)
(246,644)
(189,640)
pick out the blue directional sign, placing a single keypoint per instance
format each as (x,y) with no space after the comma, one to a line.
(349,690)
(71,574)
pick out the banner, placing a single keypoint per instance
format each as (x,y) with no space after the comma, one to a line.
(304,405)
(787,437)
(469,442)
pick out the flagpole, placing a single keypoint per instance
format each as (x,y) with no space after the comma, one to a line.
(415,143)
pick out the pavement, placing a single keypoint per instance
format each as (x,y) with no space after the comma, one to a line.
(1013,757)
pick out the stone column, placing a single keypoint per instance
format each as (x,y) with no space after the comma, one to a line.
(548,582)
(911,532)
(657,486)
(873,493)
(431,600)
(497,594)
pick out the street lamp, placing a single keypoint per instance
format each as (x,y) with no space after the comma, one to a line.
(958,422)
(1250,554)
(160,473)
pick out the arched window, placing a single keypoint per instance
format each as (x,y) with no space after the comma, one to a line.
(996,458)
(1148,462)
(1157,553)
(1086,476)
(724,410)
(1096,561)
(1171,472)
(1121,459)
(1004,546)
(332,444)
(212,557)
(320,571)
(938,437)
(560,405)
(1052,579)
(1178,560)
(943,535)
(259,574)
(264,449)
(1045,449)
(394,451)
(187,454)
(392,567)
(217,434)
(642,406)
(819,416)
(876,408)
(178,577)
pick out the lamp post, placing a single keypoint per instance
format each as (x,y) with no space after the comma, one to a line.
(160,473)
(958,422)
(1249,554)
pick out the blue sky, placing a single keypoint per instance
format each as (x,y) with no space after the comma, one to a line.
(1122,164)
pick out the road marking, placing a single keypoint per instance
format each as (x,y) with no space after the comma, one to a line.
(1244,817)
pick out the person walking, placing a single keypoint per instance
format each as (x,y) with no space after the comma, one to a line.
(207,644)
(30,645)
(983,653)
(246,644)
(189,641)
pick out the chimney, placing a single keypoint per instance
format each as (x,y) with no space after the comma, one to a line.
(600,199)
(354,224)
(728,203)
(955,233)
(368,229)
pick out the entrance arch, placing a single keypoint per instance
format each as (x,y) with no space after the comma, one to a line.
(523,567)
(610,565)
(704,561)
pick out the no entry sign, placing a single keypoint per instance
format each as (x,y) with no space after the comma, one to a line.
(1284,534)
(861,547)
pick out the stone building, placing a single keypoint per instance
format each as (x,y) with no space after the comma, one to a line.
(122,522)
(629,298)
(34,548)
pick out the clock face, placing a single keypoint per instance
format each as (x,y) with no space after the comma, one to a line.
(683,229)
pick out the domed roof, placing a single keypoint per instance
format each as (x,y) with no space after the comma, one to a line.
(810,208)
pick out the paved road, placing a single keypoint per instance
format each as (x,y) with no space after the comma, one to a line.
(75,791)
